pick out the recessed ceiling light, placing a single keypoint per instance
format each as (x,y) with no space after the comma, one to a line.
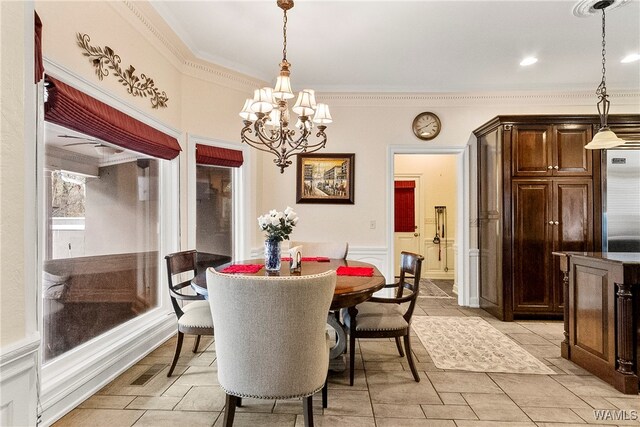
(529,60)
(631,58)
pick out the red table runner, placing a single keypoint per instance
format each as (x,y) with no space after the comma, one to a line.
(243,268)
(354,271)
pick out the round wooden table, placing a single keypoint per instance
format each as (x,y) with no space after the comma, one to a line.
(350,291)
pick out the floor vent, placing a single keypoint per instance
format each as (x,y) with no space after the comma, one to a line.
(148,374)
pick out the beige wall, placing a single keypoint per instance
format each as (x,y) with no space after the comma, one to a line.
(106,27)
(12,172)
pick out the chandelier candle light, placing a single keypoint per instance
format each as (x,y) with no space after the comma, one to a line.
(267,114)
(605,138)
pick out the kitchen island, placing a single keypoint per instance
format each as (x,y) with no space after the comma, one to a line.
(602,304)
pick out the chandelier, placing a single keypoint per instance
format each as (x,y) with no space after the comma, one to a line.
(605,138)
(266,117)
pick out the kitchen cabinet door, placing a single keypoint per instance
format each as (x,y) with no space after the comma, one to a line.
(573,225)
(569,157)
(532,245)
(531,151)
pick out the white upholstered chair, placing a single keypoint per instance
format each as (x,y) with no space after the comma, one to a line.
(270,336)
(337,250)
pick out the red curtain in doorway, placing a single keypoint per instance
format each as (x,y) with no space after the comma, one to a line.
(404,206)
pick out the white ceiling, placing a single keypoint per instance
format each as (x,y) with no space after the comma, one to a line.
(415,46)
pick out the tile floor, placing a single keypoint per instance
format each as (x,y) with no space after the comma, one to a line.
(384,393)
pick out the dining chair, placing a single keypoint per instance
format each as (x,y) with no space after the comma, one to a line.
(388,317)
(270,337)
(195,317)
(337,250)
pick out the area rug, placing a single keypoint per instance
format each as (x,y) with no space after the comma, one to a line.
(472,344)
(428,289)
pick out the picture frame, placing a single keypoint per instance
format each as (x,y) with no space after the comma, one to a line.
(326,178)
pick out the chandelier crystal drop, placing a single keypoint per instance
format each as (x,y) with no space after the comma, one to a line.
(605,138)
(266,116)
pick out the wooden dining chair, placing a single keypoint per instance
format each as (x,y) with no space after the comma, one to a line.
(270,337)
(388,317)
(336,250)
(195,317)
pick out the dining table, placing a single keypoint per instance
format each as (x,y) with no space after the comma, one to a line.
(349,292)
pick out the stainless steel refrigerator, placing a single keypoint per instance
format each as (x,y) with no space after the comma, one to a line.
(621,216)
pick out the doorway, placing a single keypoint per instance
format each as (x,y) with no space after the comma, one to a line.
(442,182)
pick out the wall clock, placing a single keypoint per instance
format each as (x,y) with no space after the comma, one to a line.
(426,126)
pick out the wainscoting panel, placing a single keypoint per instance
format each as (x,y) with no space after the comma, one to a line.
(67,383)
(18,382)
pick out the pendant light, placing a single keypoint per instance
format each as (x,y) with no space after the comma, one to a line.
(605,138)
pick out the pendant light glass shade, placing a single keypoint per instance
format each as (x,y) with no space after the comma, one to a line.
(605,138)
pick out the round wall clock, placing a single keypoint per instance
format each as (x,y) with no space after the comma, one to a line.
(426,126)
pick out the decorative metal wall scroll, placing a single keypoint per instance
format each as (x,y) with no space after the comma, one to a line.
(106,59)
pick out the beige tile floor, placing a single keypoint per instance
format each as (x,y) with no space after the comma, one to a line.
(384,393)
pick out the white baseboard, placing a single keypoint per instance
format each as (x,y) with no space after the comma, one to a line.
(71,386)
(18,383)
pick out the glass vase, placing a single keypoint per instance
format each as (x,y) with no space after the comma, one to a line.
(272,253)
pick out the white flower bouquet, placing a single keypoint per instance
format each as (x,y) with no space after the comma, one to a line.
(278,225)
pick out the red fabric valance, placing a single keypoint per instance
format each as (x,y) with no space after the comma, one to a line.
(405,184)
(216,156)
(37,46)
(76,110)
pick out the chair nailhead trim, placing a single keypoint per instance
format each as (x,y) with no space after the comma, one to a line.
(253,396)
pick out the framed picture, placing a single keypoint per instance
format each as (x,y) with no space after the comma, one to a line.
(325,178)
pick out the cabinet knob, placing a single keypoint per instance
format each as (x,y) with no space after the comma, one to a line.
(556,167)
(556,223)
(549,167)
(550,222)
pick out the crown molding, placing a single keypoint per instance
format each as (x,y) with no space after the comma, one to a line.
(459,99)
(191,65)
(180,54)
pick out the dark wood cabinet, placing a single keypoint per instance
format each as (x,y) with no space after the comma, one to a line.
(551,150)
(538,192)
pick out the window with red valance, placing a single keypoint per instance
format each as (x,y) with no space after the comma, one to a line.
(74,109)
(216,156)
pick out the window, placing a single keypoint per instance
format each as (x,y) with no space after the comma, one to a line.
(214,212)
(101,238)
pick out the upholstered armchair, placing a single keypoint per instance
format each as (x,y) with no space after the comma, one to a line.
(270,336)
